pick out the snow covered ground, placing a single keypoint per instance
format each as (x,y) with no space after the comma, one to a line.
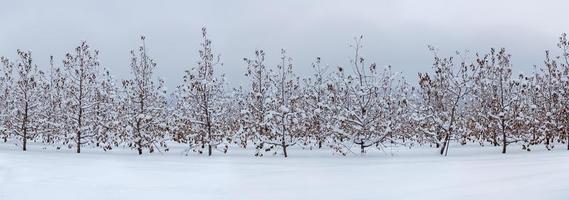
(469,172)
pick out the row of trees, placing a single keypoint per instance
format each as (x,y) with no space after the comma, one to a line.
(466,98)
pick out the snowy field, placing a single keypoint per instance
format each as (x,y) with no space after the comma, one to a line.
(469,172)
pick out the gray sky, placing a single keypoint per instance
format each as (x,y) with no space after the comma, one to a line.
(396,32)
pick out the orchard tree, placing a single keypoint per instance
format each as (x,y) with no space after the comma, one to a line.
(203,102)
(286,113)
(563,79)
(27,101)
(106,116)
(366,116)
(529,88)
(180,127)
(444,94)
(81,70)
(236,103)
(498,93)
(144,124)
(6,90)
(317,103)
(256,123)
(550,102)
(54,114)
(551,97)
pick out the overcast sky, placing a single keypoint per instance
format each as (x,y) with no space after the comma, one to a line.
(396,32)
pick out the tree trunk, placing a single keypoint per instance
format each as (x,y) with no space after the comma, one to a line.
(24,142)
(283,143)
(139,140)
(139,146)
(79,118)
(504,142)
(362,147)
(504,139)
(209,149)
(79,138)
(283,137)
(547,141)
(80,125)
(209,138)
(444,147)
(78,141)
(209,125)
(284,149)
(25,134)
(24,128)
